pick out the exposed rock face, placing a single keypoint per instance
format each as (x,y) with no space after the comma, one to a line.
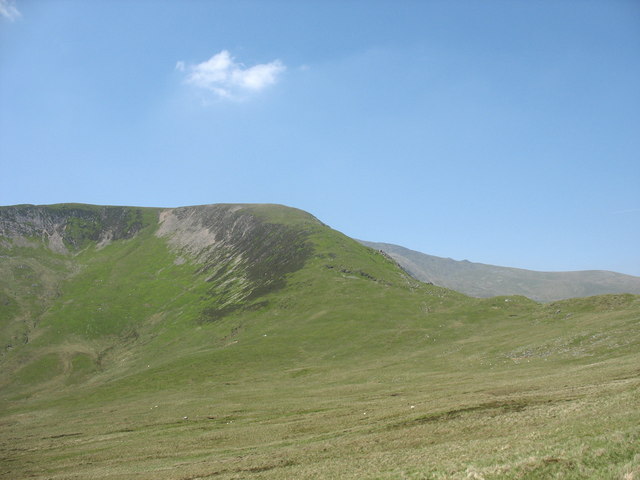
(243,256)
(65,228)
(234,248)
(196,229)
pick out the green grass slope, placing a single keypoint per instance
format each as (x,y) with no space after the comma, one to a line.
(481,280)
(252,341)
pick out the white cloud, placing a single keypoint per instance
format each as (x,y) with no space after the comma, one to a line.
(229,79)
(8,10)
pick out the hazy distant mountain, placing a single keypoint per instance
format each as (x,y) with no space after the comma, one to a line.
(481,280)
(253,341)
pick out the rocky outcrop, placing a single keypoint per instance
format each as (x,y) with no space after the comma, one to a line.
(69,227)
(242,255)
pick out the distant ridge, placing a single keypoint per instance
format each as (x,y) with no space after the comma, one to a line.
(481,280)
(254,341)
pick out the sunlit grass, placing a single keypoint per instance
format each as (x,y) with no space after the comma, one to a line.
(354,370)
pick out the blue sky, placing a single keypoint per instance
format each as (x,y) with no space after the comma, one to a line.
(503,132)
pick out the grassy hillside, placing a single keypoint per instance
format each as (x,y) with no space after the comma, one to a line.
(481,280)
(252,341)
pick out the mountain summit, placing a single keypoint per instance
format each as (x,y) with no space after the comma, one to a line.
(253,341)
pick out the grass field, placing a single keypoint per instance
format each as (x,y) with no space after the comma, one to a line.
(348,370)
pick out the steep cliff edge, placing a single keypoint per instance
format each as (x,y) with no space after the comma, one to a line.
(253,341)
(67,228)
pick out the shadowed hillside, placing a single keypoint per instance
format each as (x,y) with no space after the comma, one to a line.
(253,341)
(480,280)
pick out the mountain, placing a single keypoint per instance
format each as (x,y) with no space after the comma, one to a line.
(253,341)
(481,280)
